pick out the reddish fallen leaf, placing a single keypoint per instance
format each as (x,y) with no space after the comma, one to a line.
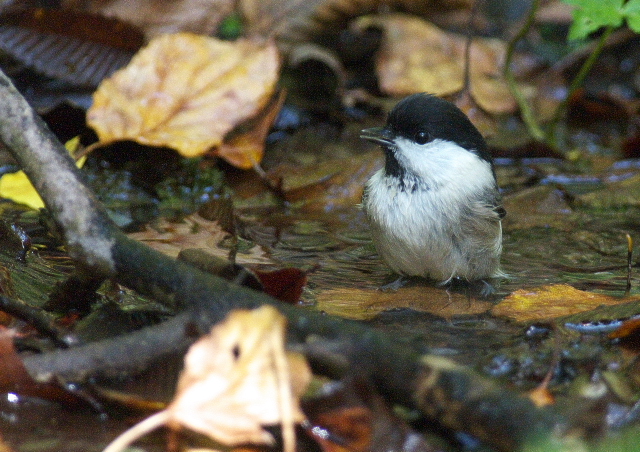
(628,328)
(352,417)
(15,378)
(246,148)
(286,284)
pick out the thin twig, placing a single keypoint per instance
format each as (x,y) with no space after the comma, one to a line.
(552,137)
(39,319)
(525,110)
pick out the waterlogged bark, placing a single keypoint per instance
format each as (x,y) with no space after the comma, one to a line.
(450,395)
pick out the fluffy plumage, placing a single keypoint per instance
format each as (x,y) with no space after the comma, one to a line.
(434,209)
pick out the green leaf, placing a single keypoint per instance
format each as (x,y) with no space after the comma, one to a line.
(591,15)
(631,11)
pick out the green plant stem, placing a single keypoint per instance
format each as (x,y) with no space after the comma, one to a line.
(527,114)
(575,84)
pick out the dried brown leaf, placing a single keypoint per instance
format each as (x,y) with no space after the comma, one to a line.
(245,150)
(156,17)
(194,232)
(417,56)
(235,380)
(185,92)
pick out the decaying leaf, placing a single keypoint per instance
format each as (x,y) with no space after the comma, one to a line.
(245,149)
(365,304)
(417,56)
(194,232)
(548,302)
(156,17)
(79,48)
(15,378)
(185,92)
(235,380)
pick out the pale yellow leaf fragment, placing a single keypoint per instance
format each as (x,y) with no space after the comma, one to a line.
(236,379)
(185,92)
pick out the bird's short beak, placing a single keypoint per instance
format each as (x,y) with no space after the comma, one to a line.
(380,135)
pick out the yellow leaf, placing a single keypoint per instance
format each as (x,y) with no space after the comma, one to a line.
(17,186)
(185,92)
(548,302)
(365,304)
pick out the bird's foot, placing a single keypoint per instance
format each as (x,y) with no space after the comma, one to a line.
(393,286)
(480,288)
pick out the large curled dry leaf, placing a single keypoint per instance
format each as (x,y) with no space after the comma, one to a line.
(236,379)
(185,92)
(417,56)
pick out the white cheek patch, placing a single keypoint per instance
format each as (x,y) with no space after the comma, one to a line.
(444,163)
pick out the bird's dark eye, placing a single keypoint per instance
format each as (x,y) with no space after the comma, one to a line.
(422,137)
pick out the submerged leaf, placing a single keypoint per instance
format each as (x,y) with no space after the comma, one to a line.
(185,92)
(365,304)
(194,232)
(552,301)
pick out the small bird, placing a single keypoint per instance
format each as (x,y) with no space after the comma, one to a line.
(434,209)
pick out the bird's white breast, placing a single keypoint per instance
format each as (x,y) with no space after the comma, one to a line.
(418,227)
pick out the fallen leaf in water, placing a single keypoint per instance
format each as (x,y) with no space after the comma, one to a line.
(365,304)
(195,232)
(185,92)
(285,284)
(236,379)
(328,184)
(350,416)
(548,302)
(14,377)
(541,396)
(417,56)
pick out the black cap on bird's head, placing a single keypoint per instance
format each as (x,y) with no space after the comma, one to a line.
(423,118)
